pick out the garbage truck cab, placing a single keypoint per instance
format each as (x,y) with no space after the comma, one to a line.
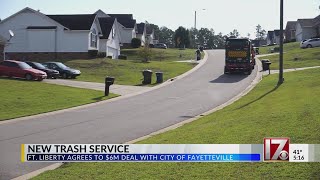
(239,56)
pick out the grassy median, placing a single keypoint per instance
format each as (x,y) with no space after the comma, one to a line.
(23,98)
(294,56)
(290,110)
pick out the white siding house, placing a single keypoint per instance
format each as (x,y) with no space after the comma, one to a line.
(126,26)
(270,37)
(141,33)
(50,36)
(110,39)
(276,36)
(150,36)
(305,29)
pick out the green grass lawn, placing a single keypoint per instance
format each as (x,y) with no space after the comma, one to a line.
(294,56)
(286,47)
(290,110)
(126,72)
(170,54)
(23,98)
(129,72)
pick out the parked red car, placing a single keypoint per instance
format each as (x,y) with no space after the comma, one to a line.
(20,69)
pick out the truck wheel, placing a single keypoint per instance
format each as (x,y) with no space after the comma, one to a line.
(226,71)
(248,72)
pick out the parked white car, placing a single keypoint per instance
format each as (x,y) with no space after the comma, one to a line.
(309,43)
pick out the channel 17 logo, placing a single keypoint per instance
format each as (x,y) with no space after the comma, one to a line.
(276,149)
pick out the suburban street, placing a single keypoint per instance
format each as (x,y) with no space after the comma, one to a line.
(125,119)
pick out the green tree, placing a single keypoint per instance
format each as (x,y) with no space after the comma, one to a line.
(145,53)
(206,37)
(182,38)
(193,37)
(234,34)
(260,33)
(219,41)
(165,35)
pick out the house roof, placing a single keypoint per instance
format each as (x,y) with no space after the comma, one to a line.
(316,21)
(127,23)
(270,34)
(125,19)
(106,24)
(122,16)
(291,25)
(75,21)
(140,28)
(277,32)
(149,30)
(42,27)
(306,22)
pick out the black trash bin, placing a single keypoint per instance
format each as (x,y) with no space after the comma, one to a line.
(108,82)
(256,49)
(265,64)
(147,76)
(159,76)
(198,53)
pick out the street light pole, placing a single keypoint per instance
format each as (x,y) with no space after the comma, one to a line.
(195,19)
(281,79)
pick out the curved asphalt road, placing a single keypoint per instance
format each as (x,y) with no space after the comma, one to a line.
(123,120)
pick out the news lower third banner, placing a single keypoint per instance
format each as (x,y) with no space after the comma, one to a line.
(170,152)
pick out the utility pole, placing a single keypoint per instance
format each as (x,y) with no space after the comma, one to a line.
(195,19)
(281,79)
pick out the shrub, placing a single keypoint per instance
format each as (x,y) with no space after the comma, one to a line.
(135,42)
(145,53)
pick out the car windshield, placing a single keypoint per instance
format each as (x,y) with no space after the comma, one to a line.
(62,66)
(39,66)
(24,65)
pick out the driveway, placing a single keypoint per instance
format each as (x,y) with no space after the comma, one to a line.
(125,119)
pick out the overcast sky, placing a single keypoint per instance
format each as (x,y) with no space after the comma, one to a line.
(221,15)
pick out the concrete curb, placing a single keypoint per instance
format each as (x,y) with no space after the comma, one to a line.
(109,100)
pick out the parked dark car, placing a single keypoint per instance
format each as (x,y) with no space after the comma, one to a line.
(65,71)
(50,72)
(20,69)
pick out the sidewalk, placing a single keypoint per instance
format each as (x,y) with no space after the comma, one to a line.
(190,61)
(289,70)
(117,89)
(271,54)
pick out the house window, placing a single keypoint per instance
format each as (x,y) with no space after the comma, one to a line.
(93,38)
